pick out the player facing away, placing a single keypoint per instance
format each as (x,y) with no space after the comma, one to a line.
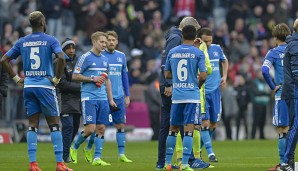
(95,99)
(196,134)
(183,64)
(212,91)
(274,59)
(120,90)
(36,50)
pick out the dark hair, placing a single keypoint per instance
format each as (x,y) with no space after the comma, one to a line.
(281,31)
(205,31)
(35,19)
(189,32)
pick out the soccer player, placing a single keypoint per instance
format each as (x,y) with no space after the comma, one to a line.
(212,85)
(173,39)
(196,135)
(182,66)
(274,59)
(96,96)
(70,98)
(120,89)
(36,50)
(289,94)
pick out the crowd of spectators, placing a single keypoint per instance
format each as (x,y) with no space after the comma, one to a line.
(241,27)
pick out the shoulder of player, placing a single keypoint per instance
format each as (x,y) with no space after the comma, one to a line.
(215,46)
(85,56)
(272,53)
(50,38)
(119,52)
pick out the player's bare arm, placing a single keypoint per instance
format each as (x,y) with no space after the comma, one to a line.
(109,92)
(225,67)
(202,78)
(168,74)
(59,68)
(82,78)
(126,101)
(7,67)
(60,64)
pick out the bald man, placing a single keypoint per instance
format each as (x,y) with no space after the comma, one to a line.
(290,95)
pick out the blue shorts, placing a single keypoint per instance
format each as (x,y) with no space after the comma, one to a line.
(41,100)
(280,113)
(213,106)
(185,113)
(96,112)
(119,116)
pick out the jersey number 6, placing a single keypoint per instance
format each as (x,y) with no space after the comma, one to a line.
(182,70)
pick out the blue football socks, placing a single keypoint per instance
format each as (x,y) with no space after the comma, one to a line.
(170,146)
(98,141)
(32,143)
(120,137)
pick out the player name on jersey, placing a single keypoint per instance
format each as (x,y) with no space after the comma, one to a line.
(36,73)
(36,43)
(114,73)
(183,55)
(183,85)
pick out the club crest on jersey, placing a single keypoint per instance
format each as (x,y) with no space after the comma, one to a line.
(78,69)
(105,63)
(119,59)
(215,53)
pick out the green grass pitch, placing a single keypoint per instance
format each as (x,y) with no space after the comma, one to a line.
(232,155)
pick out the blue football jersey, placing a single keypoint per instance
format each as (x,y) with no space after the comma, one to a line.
(184,62)
(36,50)
(216,55)
(90,65)
(117,66)
(274,59)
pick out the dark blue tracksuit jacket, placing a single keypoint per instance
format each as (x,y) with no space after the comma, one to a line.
(290,94)
(173,39)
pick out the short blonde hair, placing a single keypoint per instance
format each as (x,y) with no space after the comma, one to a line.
(189,21)
(35,19)
(95,36)
(112,33)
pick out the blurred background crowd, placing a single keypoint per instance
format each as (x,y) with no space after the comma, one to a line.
(241,27)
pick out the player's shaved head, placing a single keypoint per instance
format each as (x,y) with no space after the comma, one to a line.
(36,19)
(189,21)
(295,25)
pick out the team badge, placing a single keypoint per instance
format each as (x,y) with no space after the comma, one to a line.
(215,53)
(78,69)
(119,59)
(105,63)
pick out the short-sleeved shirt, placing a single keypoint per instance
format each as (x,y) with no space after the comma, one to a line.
(117,67)
(90,65)
(184,62)
(216,55)
(36,50)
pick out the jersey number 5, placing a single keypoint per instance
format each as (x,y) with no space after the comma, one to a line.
(35,64)
(182,70)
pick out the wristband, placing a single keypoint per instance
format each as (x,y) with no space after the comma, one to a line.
(56,80)
(16,78)
(92,77)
